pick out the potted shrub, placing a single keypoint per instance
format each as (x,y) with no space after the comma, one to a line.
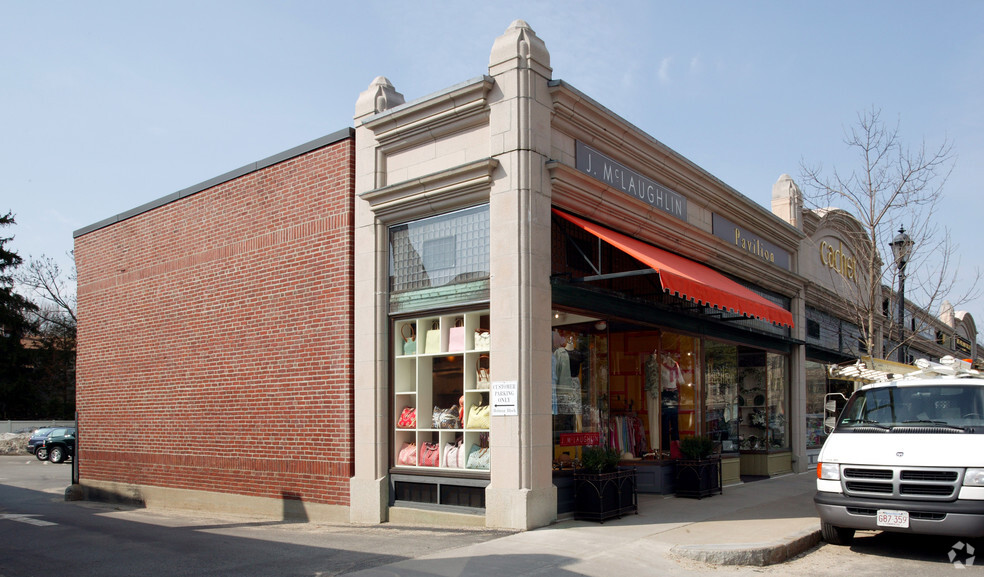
(698,473)
(602,489)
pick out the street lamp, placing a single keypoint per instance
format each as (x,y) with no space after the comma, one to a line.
(902,250)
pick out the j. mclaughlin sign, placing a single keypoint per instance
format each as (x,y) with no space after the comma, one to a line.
(597,165)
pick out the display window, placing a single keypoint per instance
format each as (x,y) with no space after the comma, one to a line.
(579,398)
(441,379)
(640,392)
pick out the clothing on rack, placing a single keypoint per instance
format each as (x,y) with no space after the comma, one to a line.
(626,434)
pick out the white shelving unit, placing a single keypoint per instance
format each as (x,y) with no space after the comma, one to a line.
(442,376)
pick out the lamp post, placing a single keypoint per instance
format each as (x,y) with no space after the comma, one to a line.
(901,250)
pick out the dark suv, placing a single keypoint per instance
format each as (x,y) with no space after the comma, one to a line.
(37,439)
(59,445)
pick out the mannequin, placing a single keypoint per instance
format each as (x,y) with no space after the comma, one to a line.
(566,363)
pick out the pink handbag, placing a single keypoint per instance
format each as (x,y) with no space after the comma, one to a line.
(408,454)
(430,454)
(456,337)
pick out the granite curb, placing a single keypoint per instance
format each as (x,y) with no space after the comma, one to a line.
(758,554)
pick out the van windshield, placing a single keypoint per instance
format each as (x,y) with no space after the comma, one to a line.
(889,407)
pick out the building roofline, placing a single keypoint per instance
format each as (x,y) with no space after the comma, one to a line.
(332,138)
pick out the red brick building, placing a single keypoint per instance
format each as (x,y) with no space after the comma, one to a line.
(215,340)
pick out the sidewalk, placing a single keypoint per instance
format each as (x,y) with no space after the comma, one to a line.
(758,523)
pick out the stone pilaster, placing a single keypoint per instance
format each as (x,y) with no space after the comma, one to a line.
(369,486)
(521,494)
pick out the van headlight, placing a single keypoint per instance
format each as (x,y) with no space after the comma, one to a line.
(828,471)
(974,478)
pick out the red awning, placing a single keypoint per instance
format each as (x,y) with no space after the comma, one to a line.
(688,279)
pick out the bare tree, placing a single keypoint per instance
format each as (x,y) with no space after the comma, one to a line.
(53,348)
(53,290)
(893,186)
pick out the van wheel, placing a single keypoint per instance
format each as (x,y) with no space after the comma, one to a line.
(836,535)
(56,455)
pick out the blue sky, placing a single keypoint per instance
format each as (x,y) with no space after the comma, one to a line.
(105,106)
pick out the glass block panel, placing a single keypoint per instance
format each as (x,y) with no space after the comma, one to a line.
(442,258)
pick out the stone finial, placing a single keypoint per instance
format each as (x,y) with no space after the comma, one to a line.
(947,315)
(378,97)
(787,201)
(519,42)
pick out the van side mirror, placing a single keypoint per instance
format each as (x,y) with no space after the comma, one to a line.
(830,411)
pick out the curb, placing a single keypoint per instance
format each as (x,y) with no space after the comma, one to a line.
(758,554)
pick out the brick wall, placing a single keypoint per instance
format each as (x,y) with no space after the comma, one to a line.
(215,337)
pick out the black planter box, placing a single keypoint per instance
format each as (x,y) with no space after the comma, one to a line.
(600,496)
(698,479)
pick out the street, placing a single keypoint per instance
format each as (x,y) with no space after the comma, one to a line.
(42,534)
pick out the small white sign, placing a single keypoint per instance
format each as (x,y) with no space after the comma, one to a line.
(504,398)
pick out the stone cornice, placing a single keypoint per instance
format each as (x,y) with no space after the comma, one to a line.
(431,117)
(586,120)
(450,189)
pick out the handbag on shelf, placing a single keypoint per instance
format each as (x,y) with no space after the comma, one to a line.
(408,418)
(482,340)
(408,454)
(479,458)
(482,379)
(456,337)
(447,418)
(454,455)
(430,454)
(478,417)
(409,340)
(432,340)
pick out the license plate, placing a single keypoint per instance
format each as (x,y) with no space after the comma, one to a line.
(891,518)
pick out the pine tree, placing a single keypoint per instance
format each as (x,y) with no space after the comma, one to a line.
(14,326)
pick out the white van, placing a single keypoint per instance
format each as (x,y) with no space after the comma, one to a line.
(907,455)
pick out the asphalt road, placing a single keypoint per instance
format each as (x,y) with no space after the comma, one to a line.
(42,534)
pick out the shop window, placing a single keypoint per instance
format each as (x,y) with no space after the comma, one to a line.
(721,378)
(812,329)
(580,392)
(762,379)
(440,404)
(673,371)
(440,261)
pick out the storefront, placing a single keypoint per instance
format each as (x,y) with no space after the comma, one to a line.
(541,286)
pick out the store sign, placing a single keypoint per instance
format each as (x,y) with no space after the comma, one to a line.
(580,439)
(618,176)
(757,247)
(504,398)
(840,261)
(962,345)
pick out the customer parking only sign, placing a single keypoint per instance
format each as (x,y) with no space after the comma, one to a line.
(504,398)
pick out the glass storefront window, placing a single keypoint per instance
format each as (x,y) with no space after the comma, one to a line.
(641,391)
(579,375)
(677,363)
(778,437)
(816,389)
(818,384)
(721,362)
(762,401)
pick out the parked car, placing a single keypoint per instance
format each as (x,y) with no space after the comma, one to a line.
(37,438)
(59,445)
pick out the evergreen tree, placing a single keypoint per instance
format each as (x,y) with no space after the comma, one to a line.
(15,390)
